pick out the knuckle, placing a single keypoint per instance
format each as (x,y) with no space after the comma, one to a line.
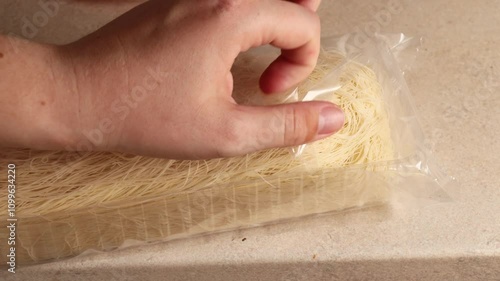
(315,34)
(301,125)
(295,126)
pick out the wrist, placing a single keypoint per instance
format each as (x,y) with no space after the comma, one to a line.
(93,82)
(32,112)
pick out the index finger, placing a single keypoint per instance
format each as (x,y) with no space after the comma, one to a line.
(293,28)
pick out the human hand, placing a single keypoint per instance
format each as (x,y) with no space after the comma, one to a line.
(157,81)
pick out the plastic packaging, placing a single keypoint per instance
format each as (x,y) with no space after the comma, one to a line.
(407,176)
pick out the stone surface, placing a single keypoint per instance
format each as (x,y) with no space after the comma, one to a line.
(455,83)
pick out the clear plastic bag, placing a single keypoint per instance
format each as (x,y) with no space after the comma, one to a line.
(312,187)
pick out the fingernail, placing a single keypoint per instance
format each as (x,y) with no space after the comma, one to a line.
(331,119)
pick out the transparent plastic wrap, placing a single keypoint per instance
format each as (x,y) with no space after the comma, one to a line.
(378,157)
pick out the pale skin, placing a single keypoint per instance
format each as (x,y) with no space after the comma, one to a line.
(157,82)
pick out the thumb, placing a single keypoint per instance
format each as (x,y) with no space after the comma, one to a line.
(284,125)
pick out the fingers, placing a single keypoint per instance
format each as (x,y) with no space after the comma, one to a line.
(296,30)
(288,69)
(258,128)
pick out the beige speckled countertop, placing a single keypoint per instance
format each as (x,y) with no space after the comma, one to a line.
(455,84)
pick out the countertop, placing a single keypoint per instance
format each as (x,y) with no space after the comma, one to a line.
(455,84)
